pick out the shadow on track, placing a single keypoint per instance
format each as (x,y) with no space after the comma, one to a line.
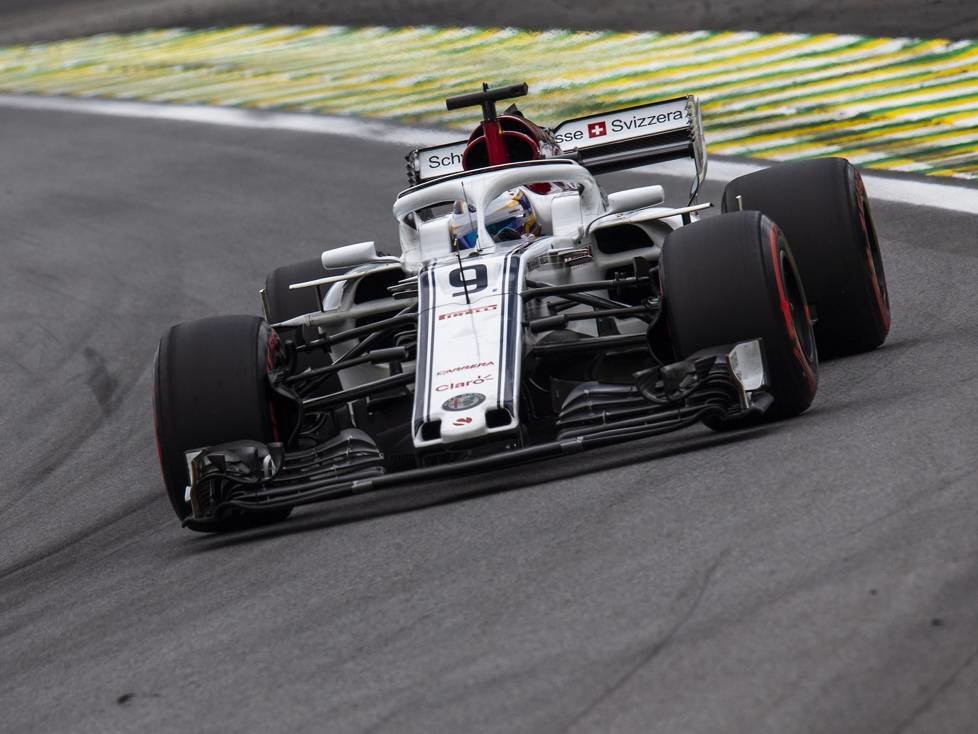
(416,496)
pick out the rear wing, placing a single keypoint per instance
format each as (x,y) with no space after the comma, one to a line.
(609,141)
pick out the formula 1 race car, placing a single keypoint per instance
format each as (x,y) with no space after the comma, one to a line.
(530,314)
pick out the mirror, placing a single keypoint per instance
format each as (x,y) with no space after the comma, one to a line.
(351,255)
(630,199)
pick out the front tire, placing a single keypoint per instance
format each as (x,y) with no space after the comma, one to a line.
(211,387)
(732,278)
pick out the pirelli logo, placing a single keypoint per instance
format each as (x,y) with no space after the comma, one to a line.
(467,312)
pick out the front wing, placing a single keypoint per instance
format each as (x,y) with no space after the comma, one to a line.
(247,476)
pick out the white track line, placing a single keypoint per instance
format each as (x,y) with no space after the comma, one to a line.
(348,127)
(883,188)
(903,191)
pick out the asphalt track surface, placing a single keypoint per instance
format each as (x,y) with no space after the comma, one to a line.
(33,20)
(815,575)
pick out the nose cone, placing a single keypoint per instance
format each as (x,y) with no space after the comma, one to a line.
(465,425)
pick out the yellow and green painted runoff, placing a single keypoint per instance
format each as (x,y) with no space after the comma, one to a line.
(903,104)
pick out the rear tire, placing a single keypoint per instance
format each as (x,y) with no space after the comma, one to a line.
(822,207)
(211,387)
(732,278)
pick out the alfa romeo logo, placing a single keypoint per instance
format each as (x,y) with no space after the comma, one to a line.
(464,401)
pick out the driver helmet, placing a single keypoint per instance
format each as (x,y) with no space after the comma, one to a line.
(509,217)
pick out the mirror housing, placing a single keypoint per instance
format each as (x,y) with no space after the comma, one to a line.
(631,199)
(349,256)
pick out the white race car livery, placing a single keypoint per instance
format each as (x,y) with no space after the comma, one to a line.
(468,360)
(584,134)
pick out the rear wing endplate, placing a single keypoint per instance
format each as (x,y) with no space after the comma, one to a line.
(609,141)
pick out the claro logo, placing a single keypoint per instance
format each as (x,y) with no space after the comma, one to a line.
(467,312)
(480,380)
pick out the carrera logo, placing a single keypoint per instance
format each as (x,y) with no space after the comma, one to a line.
(464,421)
(466,368)
(597,129)
(480,380)
(467,312)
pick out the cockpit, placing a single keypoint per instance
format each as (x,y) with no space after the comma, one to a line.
(494,207)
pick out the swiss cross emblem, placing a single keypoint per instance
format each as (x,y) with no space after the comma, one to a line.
(596,130)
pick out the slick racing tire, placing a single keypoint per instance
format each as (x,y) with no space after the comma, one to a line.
(284,304)
(822,207)
(211,387)
(732,278)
